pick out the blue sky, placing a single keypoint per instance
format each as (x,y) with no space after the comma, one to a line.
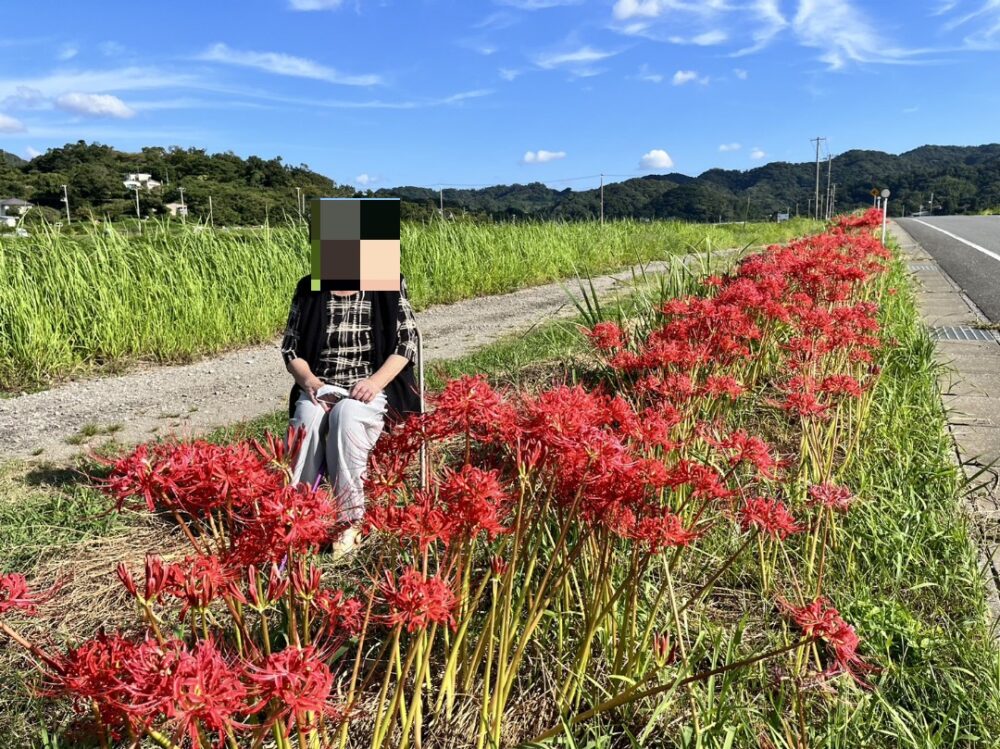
(428,92)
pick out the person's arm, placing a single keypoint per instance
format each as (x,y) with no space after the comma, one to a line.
(406,352)
(296,366)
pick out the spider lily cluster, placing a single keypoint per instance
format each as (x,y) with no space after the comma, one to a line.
(588,525)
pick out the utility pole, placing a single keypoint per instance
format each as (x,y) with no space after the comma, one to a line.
(210,210)
(817,140)
(441,200)
(137,203)
(930,206)
(66,201)
(833,200)
(829,172)
(298,202)
(809,207)
(602,197)
(183,207)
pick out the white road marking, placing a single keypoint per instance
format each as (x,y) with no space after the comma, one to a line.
(957,238)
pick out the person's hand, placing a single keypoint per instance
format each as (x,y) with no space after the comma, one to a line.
(310,387)
(365,390)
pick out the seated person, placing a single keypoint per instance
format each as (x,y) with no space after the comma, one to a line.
(364,342)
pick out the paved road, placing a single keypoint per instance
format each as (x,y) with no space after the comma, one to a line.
(968,249)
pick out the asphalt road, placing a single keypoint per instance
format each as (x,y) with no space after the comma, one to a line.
(969,252)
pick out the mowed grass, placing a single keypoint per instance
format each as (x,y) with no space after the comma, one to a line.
(905,572)
(70,304)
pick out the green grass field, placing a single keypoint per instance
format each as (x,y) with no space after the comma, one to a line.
(70,304)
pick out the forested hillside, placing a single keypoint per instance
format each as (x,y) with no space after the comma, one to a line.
(251,190)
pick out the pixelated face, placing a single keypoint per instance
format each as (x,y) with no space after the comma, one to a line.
(355,244)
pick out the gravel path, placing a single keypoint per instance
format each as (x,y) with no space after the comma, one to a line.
(192,399)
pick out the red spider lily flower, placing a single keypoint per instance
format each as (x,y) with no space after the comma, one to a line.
(498,566)
(16,596)
(768,516)
(93,674)
(295,518)
(195,477)
(207,693)
(664,650)
(716,385)
(281,452)
(420,521)
(819,619)
(712,281)
(662,531)
(606,336)
(343,614)
(470,405)
(197,581)
(655,426)
(296,681)
(835,497)
(841,385)
(705,481)
(305,580)
(743,447)
(415,601)
(473,501)
(258,596)
(156,579)
(146,689)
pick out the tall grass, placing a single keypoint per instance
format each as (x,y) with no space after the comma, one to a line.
(69,303)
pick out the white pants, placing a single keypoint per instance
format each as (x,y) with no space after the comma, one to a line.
(349,430)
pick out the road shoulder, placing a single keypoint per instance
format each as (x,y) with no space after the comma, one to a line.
(970,391)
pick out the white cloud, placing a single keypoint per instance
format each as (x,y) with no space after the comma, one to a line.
(115,79)
(314,4)
(716,36)
(542,156)
(538,4)
(31,152)
(68,52)
(583,55)
(741,73)
(706,39)
(772,22)
(728,147)
(509,74)
(645,74)
(843,33)
(282,64)
(501,19)
(656,159)
(986,34)
(757,154)
(626,9)
(683,77)
(95,105)
(111,49)
(10,125)
(25,97)
(364,179)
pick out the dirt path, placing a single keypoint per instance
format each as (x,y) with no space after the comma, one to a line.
(243,384)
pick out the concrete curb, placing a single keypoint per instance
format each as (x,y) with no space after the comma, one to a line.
(970,393)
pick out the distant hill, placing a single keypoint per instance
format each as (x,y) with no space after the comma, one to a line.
(7,157)
(243,191)
(962,179)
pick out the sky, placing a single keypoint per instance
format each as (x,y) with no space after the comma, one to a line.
(377,93)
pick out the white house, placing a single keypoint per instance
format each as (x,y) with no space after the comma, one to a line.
(140,179)
(176,209)
(11,209)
